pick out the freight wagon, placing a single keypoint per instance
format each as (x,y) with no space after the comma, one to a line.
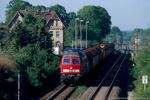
(77,63)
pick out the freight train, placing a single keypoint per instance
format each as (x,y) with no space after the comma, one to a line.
(78,63)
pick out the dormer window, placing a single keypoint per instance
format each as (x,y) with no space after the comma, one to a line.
(52,23)
(56,23)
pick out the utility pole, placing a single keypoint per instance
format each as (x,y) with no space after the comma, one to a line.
(137,42)
(86,32)
(143,40)
(76,32)
(19,85)
(81,33)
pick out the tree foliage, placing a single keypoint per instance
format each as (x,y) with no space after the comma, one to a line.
(142,34)
(8,76)
(3,33)
(39,7)
(99,19)
(30,46)
(70,33)
(61,11)
(34,62)
(25,33)
(115,35)
(142,68)
(13,7)
(116,30)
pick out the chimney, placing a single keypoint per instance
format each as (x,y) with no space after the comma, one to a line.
(26,10)
(49,10)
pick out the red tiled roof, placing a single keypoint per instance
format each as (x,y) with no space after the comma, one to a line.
(45,14)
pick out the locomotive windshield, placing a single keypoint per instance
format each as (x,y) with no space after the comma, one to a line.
(66,61)
(75,61)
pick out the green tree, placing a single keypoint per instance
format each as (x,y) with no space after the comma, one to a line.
(25,34)
(70,16)
(142,68)
(116,34)
(4,37)
(115,30)
(29,19)
(8,78)
(140,34)
(39,7)
(63,15)
(31,48)
(99,19)
(13,7)
(33,61)
(60,10)
(70,33)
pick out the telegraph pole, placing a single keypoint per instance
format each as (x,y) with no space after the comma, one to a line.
(19,85)
(137,42)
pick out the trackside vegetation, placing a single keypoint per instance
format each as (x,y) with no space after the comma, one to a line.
(26,51)
(142,68)
(8,74)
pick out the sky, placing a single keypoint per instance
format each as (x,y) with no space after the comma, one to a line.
(126,14)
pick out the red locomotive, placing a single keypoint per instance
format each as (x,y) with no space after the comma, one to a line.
(77,63)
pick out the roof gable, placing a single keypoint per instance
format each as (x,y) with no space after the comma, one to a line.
(45,14)
(14,18)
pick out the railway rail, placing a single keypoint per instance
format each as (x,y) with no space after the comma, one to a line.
(63,93)
(105,96)
(101,84)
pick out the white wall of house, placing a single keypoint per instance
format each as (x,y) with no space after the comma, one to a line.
(56,29)
(14,22)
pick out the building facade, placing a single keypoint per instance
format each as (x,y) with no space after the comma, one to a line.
(53,22)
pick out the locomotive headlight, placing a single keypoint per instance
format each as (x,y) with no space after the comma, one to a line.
(71,67)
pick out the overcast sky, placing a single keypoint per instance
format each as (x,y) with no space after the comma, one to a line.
(126,14)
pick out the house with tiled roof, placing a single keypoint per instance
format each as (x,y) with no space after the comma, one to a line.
(53,22)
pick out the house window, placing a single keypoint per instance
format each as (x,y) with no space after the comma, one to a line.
(51,33)
(52,23)
(56,23)
(57,34)
(58,44)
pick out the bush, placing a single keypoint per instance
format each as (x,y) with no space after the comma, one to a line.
(8,78)
(142,68)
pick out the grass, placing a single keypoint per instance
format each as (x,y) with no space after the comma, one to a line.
(79,91)
(7,63)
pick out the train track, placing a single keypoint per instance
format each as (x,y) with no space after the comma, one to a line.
(63,93)
(102,90)
(103,93)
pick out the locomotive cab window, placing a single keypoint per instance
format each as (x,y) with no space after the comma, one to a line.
(75,61)
(66,61)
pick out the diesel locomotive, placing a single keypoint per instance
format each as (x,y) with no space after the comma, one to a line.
(77,63)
